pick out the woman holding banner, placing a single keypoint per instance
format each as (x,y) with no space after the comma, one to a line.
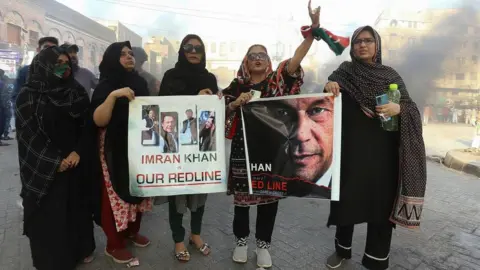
(189,77)
(118,213)
(256,73)
(383,174)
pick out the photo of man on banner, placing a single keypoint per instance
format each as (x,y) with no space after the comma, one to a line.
(290,145)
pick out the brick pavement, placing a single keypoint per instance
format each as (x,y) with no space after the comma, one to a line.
(449,237)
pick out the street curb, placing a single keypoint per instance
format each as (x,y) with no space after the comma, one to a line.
(436,159)
(452,162)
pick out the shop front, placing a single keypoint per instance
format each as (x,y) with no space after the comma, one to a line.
(10,61)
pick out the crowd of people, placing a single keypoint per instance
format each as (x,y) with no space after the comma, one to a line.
(449,113)
(72,149)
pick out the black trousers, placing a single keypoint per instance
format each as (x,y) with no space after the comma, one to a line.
(377,249)
(266,214)
(176,221)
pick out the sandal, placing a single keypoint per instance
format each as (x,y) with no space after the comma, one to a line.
(204,249)
(182,256)
(88,259)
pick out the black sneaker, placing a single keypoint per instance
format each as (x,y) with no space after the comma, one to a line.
(334,261)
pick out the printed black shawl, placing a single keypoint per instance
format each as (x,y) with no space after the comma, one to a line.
(38,157)
(114,76)
(364,82)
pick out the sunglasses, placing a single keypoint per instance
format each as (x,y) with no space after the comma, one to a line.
(189,48)
(257,56)
(367,41)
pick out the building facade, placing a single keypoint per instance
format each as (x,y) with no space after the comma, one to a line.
(22,23)
(122,32)
(457,80)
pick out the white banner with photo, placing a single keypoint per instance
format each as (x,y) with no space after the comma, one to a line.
(176,145)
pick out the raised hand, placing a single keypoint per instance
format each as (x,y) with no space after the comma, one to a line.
(314,14)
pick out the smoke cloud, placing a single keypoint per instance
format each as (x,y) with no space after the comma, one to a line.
(424,62)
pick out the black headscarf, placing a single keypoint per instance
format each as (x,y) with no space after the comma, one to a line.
(114,76)
(187,78)
(38,157)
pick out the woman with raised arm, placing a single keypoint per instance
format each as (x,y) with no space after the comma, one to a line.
(256,73)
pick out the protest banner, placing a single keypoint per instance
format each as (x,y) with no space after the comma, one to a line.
(176,145)
(292,145)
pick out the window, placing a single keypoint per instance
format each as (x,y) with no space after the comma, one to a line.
(473,76)
(80,53)
(464,45)
(33,38)
(476,45)
(223,49)
(459,76)
(13,34)
(474,59)
(213,48)
(460,61)
(410,24)
(233,47)
(393,23)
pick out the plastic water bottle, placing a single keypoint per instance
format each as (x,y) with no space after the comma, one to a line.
(393,96)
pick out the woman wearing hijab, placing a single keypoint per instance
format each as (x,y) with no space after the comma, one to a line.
(383,174)
(118,213)
(256,73)
(189,77)
(50,118)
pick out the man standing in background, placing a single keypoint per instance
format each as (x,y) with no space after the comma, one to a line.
(140,58)
(6,103)
(83,76)
(3,101)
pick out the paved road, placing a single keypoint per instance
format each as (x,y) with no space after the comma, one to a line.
(449,237)
(441,138)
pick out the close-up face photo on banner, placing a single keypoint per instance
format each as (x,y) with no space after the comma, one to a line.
(290,145)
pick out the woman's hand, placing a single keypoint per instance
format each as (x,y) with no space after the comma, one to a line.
(314,15)
(220,94)
(205,91)
(241,100)
(63,166)
(73,159)
(332,87)
(124,92)
(389,110)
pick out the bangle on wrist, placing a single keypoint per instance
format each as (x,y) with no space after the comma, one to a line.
(306,31)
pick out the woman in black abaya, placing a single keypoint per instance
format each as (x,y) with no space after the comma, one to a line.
(189,77)
(117,212)
(51,113)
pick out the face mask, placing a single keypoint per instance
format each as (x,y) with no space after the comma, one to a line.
(62,71)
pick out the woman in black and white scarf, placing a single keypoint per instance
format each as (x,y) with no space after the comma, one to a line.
(51,114)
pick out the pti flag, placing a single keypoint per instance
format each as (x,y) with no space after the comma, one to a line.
(176,145)
(292,145)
